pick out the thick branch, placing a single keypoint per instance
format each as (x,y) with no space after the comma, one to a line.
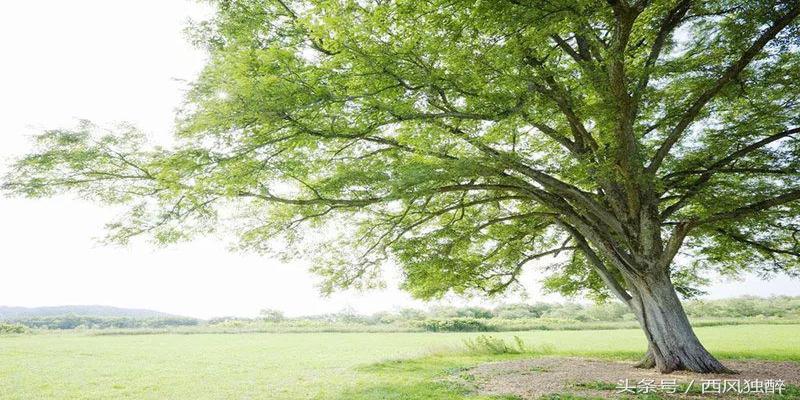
(730,73)
(668,25)
(759,245)
(718,166)
(556,93)
(552,185)
(751,209)
(598,265)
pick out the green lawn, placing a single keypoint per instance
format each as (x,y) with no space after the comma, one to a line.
(308,365)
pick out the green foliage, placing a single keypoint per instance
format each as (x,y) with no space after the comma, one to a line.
(742,307)
(84,322)
(461,312)
(6,328)
(454,325)
(271,315)
(463,141)
(486,344)
(511,317)
(514,311)
(575,277)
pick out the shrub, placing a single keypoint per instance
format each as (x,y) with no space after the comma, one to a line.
(454,325)
(11,328)
(485,344)
(519,311)
(271,315)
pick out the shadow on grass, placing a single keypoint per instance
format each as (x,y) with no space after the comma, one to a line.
(447,377)
(434,377)
(416,391)
(443,391)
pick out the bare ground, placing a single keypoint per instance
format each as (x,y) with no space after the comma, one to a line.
(533,378)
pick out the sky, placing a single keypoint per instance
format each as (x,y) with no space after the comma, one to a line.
(114,61)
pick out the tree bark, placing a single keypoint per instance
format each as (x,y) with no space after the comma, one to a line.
(672,343)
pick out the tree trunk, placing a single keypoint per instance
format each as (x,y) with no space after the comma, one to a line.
(672,343)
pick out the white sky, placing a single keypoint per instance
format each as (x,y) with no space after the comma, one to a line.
(111,61)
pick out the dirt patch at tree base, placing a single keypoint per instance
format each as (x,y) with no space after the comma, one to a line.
(594,378)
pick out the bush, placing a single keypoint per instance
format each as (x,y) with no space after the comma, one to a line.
(745,307)
(519,311)
(271,315)
(461,312)
(454,325)
(485,344)
(11,328)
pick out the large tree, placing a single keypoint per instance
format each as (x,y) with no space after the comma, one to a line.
(465,140)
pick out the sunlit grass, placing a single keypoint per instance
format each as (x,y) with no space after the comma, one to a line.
(309,365)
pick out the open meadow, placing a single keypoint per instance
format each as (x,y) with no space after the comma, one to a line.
(312,365)
(400,200)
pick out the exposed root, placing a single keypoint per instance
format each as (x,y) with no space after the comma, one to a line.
(648,362)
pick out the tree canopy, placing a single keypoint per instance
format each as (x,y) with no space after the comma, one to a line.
(463,140)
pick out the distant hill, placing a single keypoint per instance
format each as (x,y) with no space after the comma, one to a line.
(11,313)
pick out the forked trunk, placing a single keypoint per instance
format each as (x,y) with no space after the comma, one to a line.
(672,343)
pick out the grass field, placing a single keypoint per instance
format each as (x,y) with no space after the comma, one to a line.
(308,365)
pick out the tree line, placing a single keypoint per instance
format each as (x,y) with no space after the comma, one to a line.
(507,317)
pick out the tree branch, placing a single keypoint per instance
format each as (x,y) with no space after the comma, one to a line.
(717,166)
(597,263)
(759,245)
(730,73)
(751,208)
(668,25)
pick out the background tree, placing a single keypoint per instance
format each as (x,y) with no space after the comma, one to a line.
(463,140)
(271,315)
